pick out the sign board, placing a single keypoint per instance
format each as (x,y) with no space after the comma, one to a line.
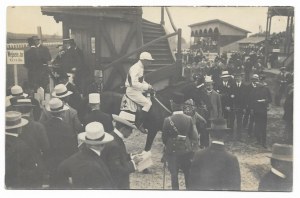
(15,57)
(276,50)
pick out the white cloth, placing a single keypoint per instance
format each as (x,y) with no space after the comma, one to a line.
(137,71)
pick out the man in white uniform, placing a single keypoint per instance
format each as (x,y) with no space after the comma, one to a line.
(136,85)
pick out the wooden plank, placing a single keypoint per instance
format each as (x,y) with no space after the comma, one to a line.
(129,37)
(107,39)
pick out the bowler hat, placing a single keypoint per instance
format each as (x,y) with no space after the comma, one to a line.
(283,152)
(95,135)
(13,119)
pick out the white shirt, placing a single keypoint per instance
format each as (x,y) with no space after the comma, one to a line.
(137,71)
(238,84)
(96,151)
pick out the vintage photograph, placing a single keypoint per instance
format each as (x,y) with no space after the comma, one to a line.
(149,98)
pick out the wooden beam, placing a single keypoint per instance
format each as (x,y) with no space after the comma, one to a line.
(107,39)
(128,38)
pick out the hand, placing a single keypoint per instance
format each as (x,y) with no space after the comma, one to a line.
(137,159)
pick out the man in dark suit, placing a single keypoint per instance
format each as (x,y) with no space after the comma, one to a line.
(96,114)
(115,156)
(86,169)
(214,168)
(176,129)
(281,85)
(237,104)
(22,167)
(280,177)
(62,139)
(260,98)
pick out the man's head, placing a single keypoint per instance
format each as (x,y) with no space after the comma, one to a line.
(94,101)
(61,91)
(238,77)
(56,107)
(146,58)
(255,79)
(282,158)
(208,83)
(225,76)
(36,40)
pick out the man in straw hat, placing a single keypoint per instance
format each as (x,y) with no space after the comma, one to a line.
(96,114)
(280,177)
(115,156)
(16,92)
(62,139)
(86,169)
(69,115)
(136,85)
(215,107)
(214,168)
(22,169)
(178,129)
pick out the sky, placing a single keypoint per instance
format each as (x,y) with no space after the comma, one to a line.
(25,19)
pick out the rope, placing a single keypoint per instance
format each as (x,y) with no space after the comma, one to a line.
(161,104)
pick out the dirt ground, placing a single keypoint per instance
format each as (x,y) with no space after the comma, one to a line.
(253,159)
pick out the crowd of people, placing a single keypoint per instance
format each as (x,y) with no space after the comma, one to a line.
(66,144)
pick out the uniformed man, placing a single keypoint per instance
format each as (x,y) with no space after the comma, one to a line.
(281,85)
(136,85)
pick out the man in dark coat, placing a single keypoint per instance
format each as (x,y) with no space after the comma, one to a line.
(96,114)
(214,168)
(260,98)
(288,115)
(22,167)
(115,156)
(178,127)
(62,139)
(86,169)
(237,98)
(281,85)
(280,177)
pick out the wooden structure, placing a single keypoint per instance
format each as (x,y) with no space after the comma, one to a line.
(112,38)
(219,32)
(251,43)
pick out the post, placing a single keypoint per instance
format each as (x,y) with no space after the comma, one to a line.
(162,19)
(179,55)
(39,32)
(267,39)
(16,74)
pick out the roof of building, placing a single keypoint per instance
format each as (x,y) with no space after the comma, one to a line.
(218,21)
(252,40)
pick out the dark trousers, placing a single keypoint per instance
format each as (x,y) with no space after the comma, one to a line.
(248,120)
(279,94)
(238,116)
(204,137)
(182,162)
(289,131)
(260,120)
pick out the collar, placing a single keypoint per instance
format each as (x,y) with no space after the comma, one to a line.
(33,46)
(177,112)
(218,142)
(58,118)
(119,133)
(201,85)
(278,173)
(97,152)
(12,134)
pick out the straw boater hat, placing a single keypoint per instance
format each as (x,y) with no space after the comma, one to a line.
(13,119)
(17,91)
(208,79)
(94,98)
(95,135)
(146,56)
(56,105)
(218,124)
(125,118)
(61,91)
(225,74)
(26,102)
(282,152)
(255,77)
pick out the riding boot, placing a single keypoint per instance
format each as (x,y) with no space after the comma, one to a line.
(141,122)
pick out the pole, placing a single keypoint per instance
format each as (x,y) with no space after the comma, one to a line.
(16,74)
(162,19)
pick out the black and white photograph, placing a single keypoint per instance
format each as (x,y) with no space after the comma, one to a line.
(161,98)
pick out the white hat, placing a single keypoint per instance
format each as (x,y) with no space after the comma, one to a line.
(225,74)
(255,76)
(208,79)
(17,91)
(146,56)
(94,98)
(13,119)
(61,91)
(94,134)
(56,105)
(124,118)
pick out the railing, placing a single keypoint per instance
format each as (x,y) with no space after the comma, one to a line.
(171,19)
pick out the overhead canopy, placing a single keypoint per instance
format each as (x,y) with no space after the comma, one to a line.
(281,11)
(251,40)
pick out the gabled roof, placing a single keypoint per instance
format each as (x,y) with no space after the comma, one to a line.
(219,21)
(253,40)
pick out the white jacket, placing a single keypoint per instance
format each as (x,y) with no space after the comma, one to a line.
(136,72)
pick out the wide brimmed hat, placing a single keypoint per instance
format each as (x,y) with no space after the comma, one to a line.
(24,102)
(13,119)
(225,74)
(208,79)
(94,98)
(219,124)
(61,91)
(146,56)
(95,135)
(283,152)
(125,118)
(56,105)
(17,91)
